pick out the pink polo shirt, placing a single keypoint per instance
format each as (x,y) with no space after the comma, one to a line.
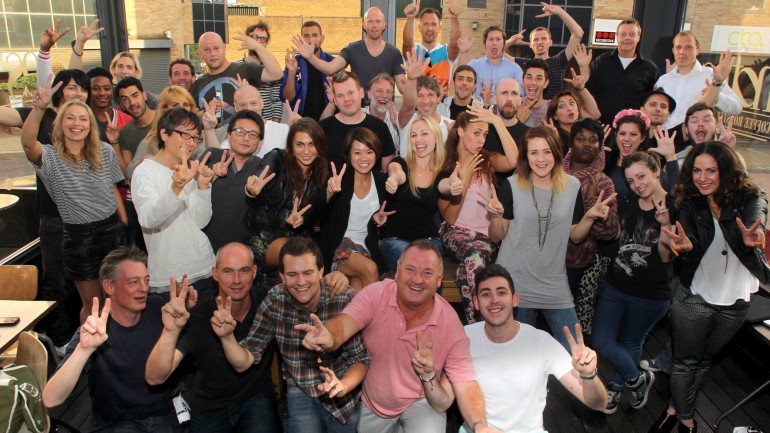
(391,383)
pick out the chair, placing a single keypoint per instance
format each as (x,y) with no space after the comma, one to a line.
(31,352)
(18,282)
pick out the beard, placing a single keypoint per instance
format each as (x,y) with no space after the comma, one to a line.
(507,111)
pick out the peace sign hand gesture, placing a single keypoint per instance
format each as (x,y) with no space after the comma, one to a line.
(584,359)
(205,174)
(678,240)
(183,174)
(332,385)
(422,359)
(381,217)
(223,166)
(334,185)
(50,36)
(293,112)
(291,62)
(295,219)
(601,209)
(209,118)
(256,183)
(43,95)
(725,134)
(492,204)
(317,337)
(174,313)
(222,321)
(753,236)
(112,131)
(87,32)
(93,332)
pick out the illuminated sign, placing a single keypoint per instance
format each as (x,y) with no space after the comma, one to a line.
(741,39)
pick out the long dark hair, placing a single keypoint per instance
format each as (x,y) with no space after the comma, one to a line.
(319,169)
(453,155)
(734,182)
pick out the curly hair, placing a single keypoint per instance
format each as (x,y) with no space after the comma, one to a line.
(733,180)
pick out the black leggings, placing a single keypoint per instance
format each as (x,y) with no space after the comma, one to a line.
(699,330)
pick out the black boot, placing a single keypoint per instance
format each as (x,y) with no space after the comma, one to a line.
(684,429)
(664,424)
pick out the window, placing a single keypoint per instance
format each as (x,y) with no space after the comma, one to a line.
(521,14)
(209,16)
(22,21)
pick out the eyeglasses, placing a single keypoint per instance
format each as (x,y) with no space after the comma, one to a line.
(581,139)
(186,136)
(227,272)
(259,38)
(240,132)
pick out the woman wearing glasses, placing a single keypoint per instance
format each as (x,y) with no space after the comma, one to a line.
(172,195)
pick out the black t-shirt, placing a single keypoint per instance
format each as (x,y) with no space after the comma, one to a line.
(455,110)
(315,103)
(493,144)
(45,204)
(637,269)
(414,215)
(216,384)
(336,131)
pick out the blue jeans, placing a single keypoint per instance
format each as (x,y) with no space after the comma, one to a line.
(392,248)
(556,318)
(154,424)
(306,415)
(621,323)
(255,414)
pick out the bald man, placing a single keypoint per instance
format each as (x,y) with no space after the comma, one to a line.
(217,83)
(367,57)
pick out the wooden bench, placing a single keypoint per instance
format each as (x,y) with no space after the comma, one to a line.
(449,289)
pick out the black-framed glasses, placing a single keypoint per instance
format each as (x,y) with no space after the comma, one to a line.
(187,136)
(240,132)
(259,38)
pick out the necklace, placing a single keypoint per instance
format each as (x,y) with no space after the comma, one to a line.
(541,234)
(724,253)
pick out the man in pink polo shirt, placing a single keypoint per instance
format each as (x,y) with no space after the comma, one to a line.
(403,322)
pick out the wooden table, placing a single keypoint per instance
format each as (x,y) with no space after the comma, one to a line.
(29,313)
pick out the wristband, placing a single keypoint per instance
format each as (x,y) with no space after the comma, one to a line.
(73,49)
(590,376)
(428,380)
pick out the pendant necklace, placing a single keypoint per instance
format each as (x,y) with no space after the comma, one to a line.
(542,234)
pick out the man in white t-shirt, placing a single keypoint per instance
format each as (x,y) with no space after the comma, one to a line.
(515,359)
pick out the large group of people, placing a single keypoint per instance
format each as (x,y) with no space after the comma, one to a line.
(204,236)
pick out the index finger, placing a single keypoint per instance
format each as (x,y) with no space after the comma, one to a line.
(296,204)
(334,170)
(344,167)
(570,340)
(419,341)
(173,287)
(305,209)
(494,191)
(224,156)
(382,208)
(95,307)
(264,172)
(184,288)
(317,322)
(205,158)
(105,310)
(741,226)
(484,197)
(579,334)
(609,199)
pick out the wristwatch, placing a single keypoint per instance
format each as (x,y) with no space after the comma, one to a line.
(428,380)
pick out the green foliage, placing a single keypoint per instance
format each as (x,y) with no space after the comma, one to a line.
(28,81)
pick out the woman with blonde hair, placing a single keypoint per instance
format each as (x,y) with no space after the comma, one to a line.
(416,182)
(540,198)
(80,172)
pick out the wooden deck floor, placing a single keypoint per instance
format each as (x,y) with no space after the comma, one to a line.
(739,369)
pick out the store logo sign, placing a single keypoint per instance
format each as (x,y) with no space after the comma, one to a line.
(741,39)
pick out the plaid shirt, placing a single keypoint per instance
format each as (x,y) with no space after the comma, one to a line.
(275,319)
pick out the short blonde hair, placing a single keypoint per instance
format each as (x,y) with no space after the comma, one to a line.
(130,55)
(689,34)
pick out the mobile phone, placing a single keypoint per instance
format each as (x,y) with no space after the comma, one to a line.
(8,321)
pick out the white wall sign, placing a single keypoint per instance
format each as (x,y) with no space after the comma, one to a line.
(741,39)
(604,33)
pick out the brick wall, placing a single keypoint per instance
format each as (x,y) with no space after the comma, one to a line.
(148,19)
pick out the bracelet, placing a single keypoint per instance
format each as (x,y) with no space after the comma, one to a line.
(428,380)
(581,89)
(476,424)
(248,194)
(73,49)
(591,376)
(716,83)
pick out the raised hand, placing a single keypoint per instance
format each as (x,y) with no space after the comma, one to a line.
(411,9)
(42,96)
(584,359)
(295,219)
(255,183)
(601,209)
(607,132)
(332,385)
(753,236)
(381,217)
(87,32)
(583,55)
(222,321)
(93,332)
(247,43)
(455,183)
(678,240)
(293,112)
(578,81)
(209,118)
(205,174)
(291,61)
(482,115)
(223,166)
(393,112)
(464,43)
(422,359)
(516,39)
(414,67)
(453,9)
(318,338)
(722,70)
(329,89)
(662,215)
(183,174)
(549,9)
(725,134)
(238,81)
(469,167)
(112,131)
(525,109)
(303,47)
(493,206)
(334,185)
(50,36)
(175,313)
(669,66)
(665,141)
(486,91)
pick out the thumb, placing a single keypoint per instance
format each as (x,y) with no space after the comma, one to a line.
(456,172)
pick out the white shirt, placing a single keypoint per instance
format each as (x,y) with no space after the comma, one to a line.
(513,375)
(687,90)
(275,138)
(361,211)
(392,127)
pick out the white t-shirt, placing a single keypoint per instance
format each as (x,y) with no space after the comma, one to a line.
(275,138)
(513,375)
(625,61)
(361,211)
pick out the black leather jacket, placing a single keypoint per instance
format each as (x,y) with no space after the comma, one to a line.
(695,216)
